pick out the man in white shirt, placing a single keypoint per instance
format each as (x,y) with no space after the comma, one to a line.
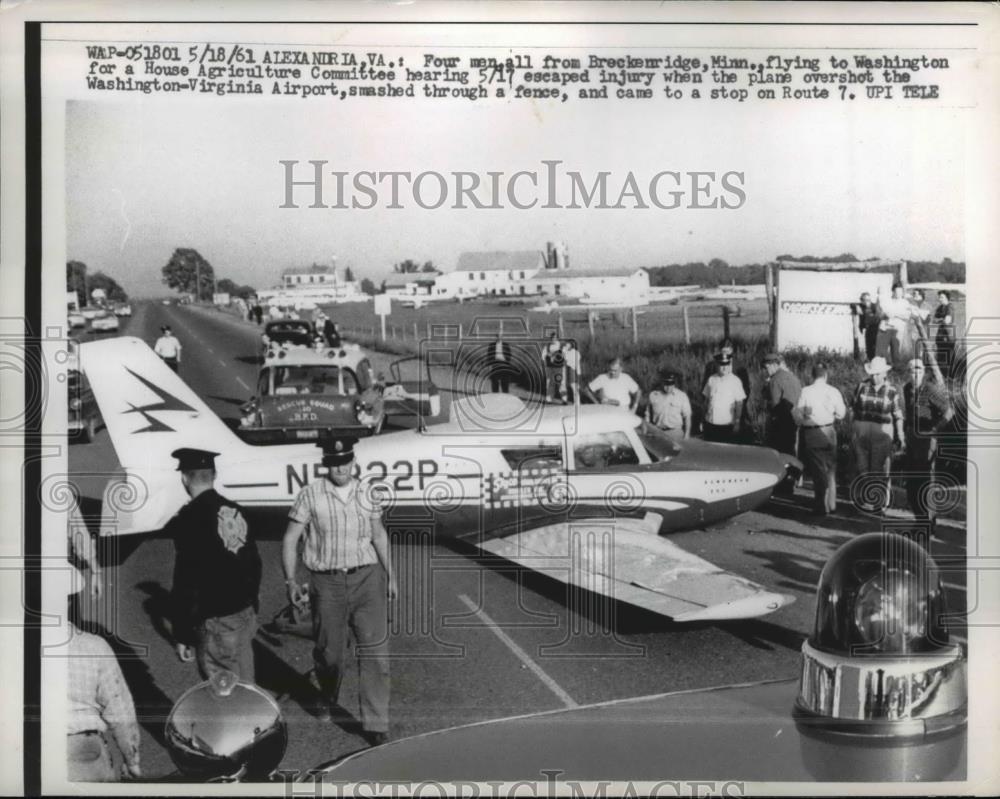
(168,348)
(898,312)
(819,406)
(670,409)
(614,387)
(724,398)
(570,391)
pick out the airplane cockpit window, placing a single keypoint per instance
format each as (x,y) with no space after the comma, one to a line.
(540,457)
(657,443)
(603,450)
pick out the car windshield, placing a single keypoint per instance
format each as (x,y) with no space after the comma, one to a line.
(315,380)
(657,443)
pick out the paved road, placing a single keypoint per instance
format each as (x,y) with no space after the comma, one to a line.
(469,642)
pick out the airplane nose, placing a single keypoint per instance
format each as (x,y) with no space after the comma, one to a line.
(703,456)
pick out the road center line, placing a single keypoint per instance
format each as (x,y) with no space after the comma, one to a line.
(240,381)
(552,685)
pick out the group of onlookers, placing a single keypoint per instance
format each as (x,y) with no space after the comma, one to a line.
(890,326)
(886,421)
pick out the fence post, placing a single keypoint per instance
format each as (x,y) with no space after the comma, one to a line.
(416,335)
(687,325)
(590,324)
(769,290)
(635,326)
(725,321)
(562,333)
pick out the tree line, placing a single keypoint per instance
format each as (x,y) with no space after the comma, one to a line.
(719,273)
(84,285)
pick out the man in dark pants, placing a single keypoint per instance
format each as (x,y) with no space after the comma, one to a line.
(944,336)
(346,551)
(877,421)
(168,348)
(927,410)
(499,365)
(724,402)
(820,406)
(868,319)
(216,573)
(781,394)
(330,332)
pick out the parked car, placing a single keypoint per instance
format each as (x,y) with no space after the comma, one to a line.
(84,415)
(90,313)
(75,319)
(287,333)
(123,309)
(104,322)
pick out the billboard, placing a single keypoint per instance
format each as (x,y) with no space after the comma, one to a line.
(814,307)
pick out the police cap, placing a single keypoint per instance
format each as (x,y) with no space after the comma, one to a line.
(189,459)
(338,451)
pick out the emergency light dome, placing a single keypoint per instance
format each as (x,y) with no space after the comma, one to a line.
(880,661)
(226,730)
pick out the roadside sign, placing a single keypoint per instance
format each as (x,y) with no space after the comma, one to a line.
(383,307)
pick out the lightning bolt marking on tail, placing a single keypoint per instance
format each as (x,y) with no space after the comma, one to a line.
(168,402)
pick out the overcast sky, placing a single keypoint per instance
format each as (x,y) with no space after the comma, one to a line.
(147,176)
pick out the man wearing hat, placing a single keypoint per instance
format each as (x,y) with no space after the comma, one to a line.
(927,410)
(346,551)
(216,573)
(724,398)
(168,348)
(670,409)
(781,393)
(877,413)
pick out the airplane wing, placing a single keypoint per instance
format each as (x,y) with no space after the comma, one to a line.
(626,560)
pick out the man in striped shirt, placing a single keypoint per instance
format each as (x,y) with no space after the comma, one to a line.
(100,708)
(346,551)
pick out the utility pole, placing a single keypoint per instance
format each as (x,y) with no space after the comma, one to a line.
(197,281)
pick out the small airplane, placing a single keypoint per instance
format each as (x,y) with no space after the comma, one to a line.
(576,493)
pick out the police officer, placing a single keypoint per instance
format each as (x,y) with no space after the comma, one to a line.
(168,348)
(216,573)
(670,409)
(346,551)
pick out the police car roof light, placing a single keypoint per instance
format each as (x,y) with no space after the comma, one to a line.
(880,663)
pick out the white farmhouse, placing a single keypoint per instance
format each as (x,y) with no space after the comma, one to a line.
(491,274)
(311,286)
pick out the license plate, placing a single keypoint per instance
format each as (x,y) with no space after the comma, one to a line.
(307,433)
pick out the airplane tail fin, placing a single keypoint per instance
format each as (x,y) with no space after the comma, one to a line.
(149,412)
